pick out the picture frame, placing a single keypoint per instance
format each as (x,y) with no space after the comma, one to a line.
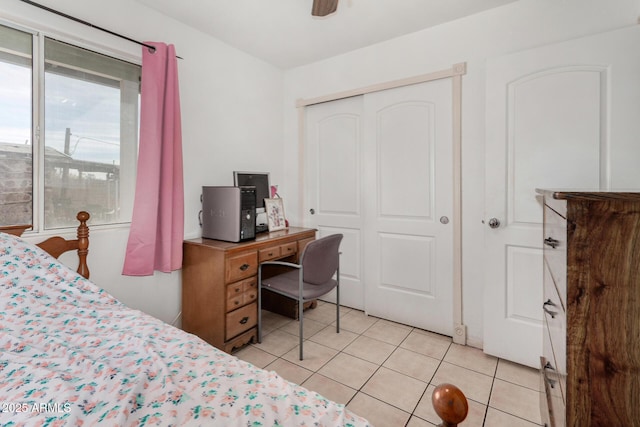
(275,214)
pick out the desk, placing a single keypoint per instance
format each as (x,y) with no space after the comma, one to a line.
(220,285)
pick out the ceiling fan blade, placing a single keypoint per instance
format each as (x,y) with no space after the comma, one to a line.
(324,7)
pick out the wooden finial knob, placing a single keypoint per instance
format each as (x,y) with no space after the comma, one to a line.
(450,404)
(83,216)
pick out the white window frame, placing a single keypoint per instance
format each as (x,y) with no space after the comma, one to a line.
(128,152)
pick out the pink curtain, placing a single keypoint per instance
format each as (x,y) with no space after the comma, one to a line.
(157,227)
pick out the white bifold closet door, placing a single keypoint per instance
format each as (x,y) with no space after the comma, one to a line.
(378,169)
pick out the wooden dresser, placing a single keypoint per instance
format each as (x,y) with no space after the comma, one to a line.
(590,366)
(219,284)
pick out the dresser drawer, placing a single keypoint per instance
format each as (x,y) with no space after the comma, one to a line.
(553,404)
(547,348)
(554,345)
(241,266)
(555,250)
(558,335)
(551,367)
(241,320)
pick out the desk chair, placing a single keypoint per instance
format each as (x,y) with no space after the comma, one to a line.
(306,281)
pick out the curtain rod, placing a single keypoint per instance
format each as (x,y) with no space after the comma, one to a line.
(73,18)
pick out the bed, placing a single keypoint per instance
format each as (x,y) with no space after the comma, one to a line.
(71,354)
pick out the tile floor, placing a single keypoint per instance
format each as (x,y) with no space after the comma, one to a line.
(387,372)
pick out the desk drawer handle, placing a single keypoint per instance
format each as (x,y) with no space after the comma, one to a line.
(244,267)
(553,314)
(244,320)
(550,241)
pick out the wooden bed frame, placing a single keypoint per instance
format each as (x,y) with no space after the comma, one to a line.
(57,245)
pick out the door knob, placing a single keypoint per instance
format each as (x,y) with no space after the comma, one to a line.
(312,211)
(494,223)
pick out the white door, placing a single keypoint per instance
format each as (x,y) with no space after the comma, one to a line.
(379,170)
(408,207)
(559,116)
(333,186)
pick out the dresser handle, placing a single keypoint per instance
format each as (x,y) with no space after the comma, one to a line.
(552,383)
(553,314)
(244,320)
(550,241)
(244,267)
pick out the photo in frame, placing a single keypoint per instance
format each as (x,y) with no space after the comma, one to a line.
(275,214)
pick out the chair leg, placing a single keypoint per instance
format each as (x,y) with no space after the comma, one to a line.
(338,309)
(300,311)
(259,305)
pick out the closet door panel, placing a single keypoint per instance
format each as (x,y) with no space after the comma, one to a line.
(408,183)
(333,185)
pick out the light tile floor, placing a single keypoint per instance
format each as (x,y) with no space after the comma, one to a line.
(387,371)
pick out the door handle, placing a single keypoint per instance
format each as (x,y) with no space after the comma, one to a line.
(494,223)
(312,211)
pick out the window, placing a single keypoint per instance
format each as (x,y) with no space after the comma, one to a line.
(82,109)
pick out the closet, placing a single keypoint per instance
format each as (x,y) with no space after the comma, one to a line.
(379,168)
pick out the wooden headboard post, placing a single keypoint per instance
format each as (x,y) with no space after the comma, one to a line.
(83,243)
(56,245)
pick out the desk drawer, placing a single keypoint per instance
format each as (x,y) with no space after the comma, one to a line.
(241,320)
(269,253)
(241,266)
(289,249)
(241,293)
(250,290)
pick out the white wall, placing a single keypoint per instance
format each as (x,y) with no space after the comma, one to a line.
(517,26)
(231,120)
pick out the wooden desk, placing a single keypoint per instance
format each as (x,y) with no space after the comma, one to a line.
(220,280)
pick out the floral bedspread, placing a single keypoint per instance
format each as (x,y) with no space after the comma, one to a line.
(72,355)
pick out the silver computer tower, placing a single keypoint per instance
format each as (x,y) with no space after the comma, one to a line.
(229,213)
